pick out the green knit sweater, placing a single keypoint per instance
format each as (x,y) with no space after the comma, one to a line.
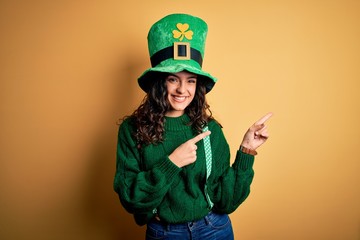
(146,179)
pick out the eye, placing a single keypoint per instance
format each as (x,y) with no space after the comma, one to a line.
(172,79)
(192,80)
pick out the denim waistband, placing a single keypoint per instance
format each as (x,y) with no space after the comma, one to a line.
(193,224)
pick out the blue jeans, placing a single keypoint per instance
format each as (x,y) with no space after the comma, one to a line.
(213,226)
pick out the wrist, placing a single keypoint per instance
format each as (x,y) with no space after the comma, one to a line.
(173,159)
(247,150)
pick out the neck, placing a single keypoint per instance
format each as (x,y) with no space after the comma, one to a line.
(174,113)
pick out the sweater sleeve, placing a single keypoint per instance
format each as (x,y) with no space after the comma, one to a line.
(140,192)
(228,185)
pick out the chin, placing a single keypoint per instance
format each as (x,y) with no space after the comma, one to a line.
(179,108)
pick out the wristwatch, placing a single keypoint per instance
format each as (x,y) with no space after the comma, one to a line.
(247,150)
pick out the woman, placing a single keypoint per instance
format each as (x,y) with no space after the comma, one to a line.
(173,162)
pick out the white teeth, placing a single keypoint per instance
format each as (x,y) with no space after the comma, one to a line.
(179,98)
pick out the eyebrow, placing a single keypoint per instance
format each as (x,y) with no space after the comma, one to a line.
(191,76)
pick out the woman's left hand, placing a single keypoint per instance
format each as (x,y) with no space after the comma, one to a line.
(257,134)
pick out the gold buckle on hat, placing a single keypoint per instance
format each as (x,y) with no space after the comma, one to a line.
(178,49)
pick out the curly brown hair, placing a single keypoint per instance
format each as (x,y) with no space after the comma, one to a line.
(149,117)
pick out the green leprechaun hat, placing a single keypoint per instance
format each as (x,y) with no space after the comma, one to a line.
(176,43)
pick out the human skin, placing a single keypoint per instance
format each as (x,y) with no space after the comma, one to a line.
(181,89)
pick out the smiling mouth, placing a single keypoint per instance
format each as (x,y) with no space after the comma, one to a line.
(179,99)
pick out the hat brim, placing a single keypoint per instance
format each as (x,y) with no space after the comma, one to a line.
(146,79)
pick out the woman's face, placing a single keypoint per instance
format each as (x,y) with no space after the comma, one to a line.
(181,89)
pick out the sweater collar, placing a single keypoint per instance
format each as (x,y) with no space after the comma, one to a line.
(177,123)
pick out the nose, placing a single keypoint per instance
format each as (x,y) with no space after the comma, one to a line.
(181,87)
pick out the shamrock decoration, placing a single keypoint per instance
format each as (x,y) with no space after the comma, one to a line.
(184,32)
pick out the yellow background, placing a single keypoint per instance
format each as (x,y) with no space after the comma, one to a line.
(68,71)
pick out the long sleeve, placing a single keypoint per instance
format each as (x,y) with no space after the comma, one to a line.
(140,191)
(228,185)
(146,179)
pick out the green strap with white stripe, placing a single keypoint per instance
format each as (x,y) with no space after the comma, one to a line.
(208,156)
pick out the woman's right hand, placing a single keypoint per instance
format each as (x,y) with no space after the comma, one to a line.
(185,154)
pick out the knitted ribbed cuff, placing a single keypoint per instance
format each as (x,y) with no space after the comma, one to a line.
(243,161)
(168,168)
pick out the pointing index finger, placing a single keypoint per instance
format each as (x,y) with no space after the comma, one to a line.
(200,136)
(264,119)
